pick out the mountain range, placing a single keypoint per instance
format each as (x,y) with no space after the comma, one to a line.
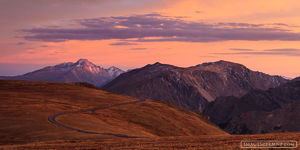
(80,71)
(274,110)
(192,87)
(235,98)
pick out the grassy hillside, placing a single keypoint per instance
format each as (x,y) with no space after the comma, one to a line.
(202,142)
(26,106)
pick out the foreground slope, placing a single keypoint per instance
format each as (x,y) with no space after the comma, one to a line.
(26,106)
(207,142)
(191,87)
(80,71)
(274,110)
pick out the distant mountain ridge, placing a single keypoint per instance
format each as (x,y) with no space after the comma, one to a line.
(192,87)
(80,71)
(298,78)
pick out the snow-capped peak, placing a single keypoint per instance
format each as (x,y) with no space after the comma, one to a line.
(87,65)
(113,68)
(114,71)
(82,62)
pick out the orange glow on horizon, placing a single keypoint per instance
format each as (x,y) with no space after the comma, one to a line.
(184,54)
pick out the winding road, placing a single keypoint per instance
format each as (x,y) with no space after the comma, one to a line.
(53,120)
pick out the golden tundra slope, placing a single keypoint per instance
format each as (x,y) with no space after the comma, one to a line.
(26,106)
(202,142)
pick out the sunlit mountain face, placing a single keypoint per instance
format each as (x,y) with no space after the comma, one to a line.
(81,71)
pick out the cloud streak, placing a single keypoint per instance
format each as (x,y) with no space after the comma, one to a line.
(158,28)
(280,52)
(20,43)
(241,49)
(122,43)
(138,49)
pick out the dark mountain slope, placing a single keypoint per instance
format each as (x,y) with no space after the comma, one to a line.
(259,111)
(191,87)
(298,78)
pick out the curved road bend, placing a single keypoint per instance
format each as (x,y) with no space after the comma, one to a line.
(53,120)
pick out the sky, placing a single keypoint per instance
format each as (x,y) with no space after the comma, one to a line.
(262,35)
